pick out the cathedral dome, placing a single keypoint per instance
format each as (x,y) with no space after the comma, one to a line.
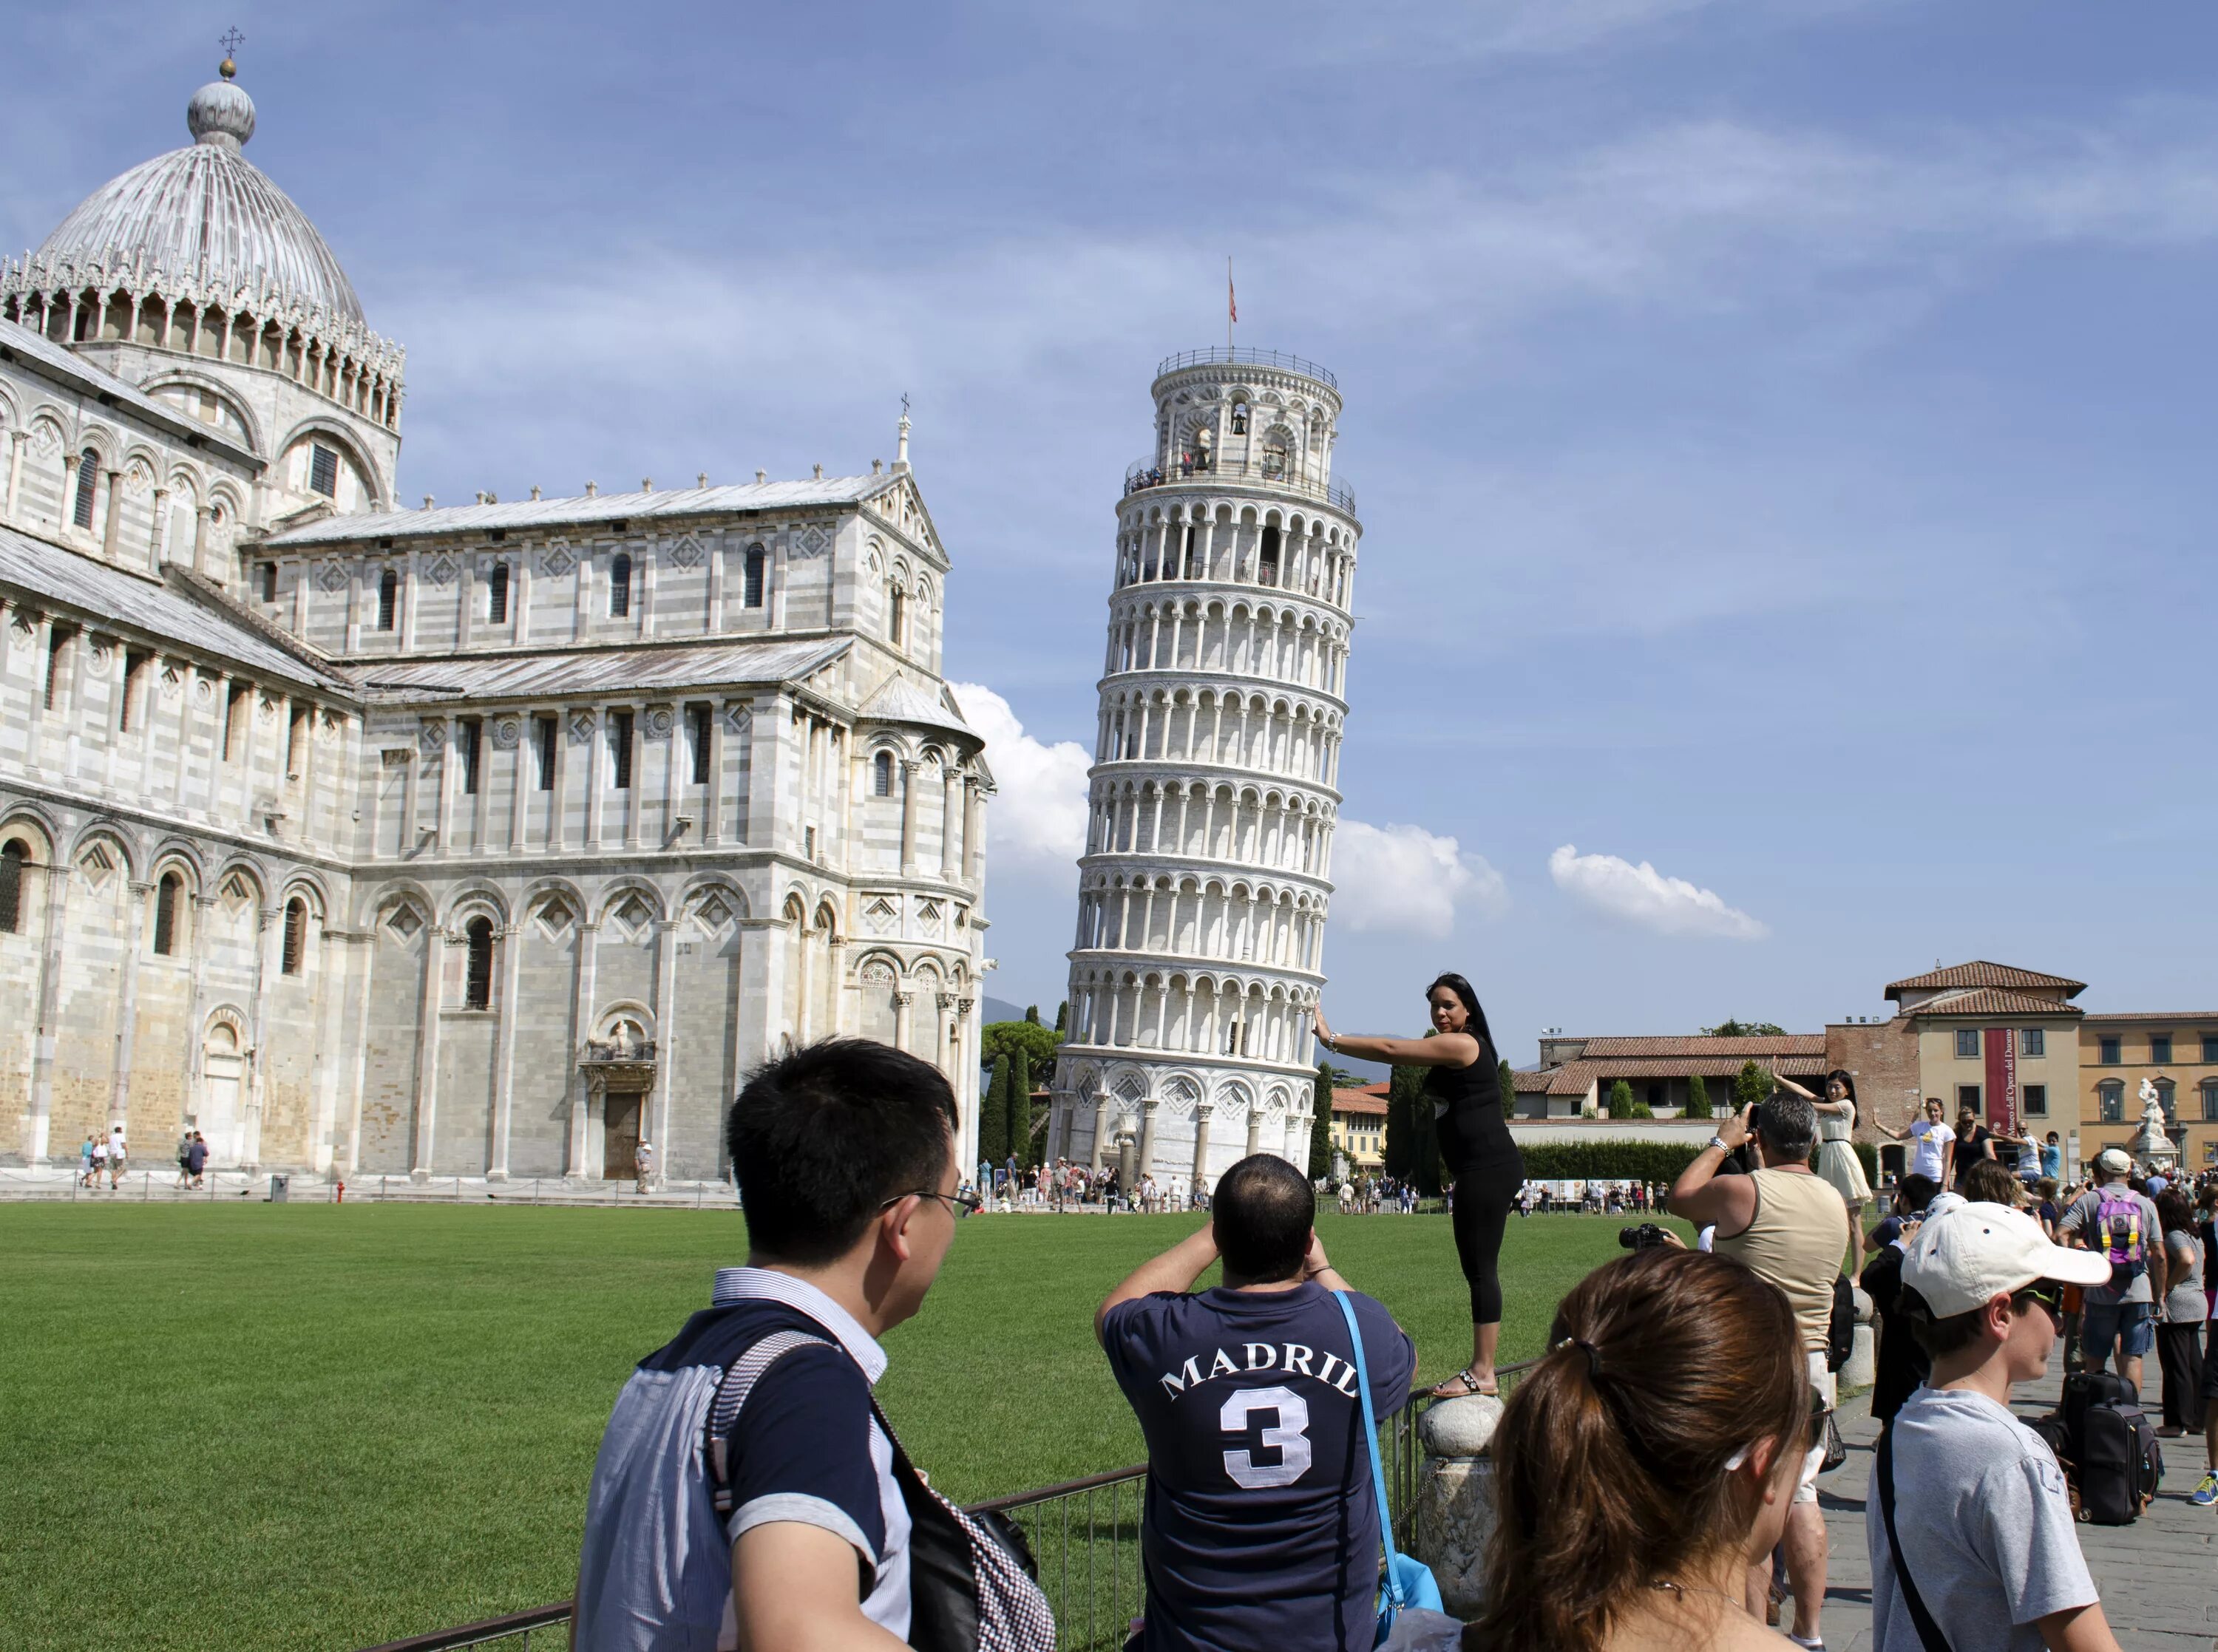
(207,215)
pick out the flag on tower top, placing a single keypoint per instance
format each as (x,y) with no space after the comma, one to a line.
(1232,299)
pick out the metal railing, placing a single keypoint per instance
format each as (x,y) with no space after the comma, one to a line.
(1239,356)
(1144,474)
(1084,1535)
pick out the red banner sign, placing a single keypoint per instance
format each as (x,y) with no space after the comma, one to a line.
(2002,1080)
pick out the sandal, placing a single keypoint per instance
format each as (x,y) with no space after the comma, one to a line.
(1469,1379)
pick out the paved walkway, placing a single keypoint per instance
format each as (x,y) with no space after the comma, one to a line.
(2159,1577)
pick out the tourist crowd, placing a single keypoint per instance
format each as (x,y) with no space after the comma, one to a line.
(1653,1469)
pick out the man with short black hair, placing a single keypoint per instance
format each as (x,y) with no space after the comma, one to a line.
(791,1531)
(1260,1528)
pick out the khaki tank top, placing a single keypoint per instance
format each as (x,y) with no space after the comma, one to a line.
(1797,1241)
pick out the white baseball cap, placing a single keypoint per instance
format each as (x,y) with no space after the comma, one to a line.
(1966,1257)
(2113,1162)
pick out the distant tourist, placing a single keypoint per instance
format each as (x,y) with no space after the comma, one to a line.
(642,1164)
(2180,1316)
(1260,1528)
(1464,1086)
(196,1159)
(99,1161)
(1675,1382)
(118,1149)
(792,1530)
(1974,1142)
(185,1160)
(87,1157)
(1968,1521)
(2124,1227)
(1933,1144)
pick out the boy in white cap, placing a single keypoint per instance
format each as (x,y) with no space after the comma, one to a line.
(1969,1525)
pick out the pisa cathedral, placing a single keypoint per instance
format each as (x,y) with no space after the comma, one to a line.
(1199,954)
(478,841)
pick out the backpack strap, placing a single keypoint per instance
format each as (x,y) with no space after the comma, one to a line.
(733,1387)
(1929,1632)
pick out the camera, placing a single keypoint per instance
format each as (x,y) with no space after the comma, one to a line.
(1646,1237)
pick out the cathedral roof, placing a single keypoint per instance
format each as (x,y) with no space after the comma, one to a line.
(588,510)
(205,215)
(66,366)
(897,699)
(632,668)
(173,609)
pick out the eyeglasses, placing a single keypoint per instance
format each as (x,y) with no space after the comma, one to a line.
(956,1203)
(2050,1295)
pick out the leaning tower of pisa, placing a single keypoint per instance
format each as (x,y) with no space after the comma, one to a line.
(1199,951)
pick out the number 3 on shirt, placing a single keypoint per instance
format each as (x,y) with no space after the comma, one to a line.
(1288,1437)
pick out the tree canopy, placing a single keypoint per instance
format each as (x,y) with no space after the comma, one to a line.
(1730,1028)
(998,1039)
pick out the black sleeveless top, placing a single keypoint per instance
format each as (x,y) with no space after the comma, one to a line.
(1474,1131)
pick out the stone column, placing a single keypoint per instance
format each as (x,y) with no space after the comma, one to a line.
(1452,1522)
(50,993)
(111,527)
(950,809)
(126,1014)
(909,769)
(15,441)
(154,557)
(666,1035)
(436,941)
(974,835)
(1148,1134)
(902,1002)
(1254,1129)
(581,1029)
(504,1068)
(204,518)
(1200,1143)
(1100,1127)
(269,936)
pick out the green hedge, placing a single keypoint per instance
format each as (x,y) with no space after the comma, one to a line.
(1636,1161)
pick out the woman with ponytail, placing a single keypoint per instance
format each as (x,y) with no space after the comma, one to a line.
(1645,1463)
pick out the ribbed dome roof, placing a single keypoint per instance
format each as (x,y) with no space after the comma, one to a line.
(207,211)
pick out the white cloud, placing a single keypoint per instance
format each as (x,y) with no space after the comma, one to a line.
(1405,879)
(1036,821)
(1641,895)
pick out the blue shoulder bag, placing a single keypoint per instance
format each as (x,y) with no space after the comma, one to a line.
(1409,1581)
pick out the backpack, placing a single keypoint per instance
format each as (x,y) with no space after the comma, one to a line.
(2118,1219)
(972,1578)
(2107,1448)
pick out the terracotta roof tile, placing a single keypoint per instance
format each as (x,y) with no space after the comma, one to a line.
(1993,1000)
(1697,1044)
(1370,1099)
(2186,1017)
(1980,973)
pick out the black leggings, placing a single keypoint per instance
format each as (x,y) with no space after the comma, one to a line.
(1482,1212)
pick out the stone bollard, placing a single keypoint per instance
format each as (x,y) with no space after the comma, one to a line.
(1454,1512)
(1862,1368)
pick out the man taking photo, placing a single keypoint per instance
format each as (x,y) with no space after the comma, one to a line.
(1260,1528)
(1790,1226)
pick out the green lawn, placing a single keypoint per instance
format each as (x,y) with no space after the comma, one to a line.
(281,1426)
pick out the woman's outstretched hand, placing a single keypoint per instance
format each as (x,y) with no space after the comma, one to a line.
(1322,1028)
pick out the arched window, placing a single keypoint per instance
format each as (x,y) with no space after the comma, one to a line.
(1240,418)
(269,572)
(477,991)
(15,855)
(165,914)
(88,477)
(296,936)
(896,616)
(753,586)
(497,595)
(1268,561)
(388,598)
(882,775)
(2110,1097)
(620,587)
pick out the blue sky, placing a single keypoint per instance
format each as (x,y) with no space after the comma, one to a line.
(1780,430)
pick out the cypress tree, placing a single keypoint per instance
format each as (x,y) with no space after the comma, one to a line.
(1021,1110)
(994,1118)
(1031,1013)
(1509,1091)
(1698,1098)
(1321,1125)
(1750,1086)
(1062,1015)
(1622,1104)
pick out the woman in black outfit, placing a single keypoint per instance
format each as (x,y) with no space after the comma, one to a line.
(1464,1087)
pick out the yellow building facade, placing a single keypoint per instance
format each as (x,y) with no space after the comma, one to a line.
(2176,1053)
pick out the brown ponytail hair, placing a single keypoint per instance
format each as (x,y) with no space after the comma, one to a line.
(1610,1459)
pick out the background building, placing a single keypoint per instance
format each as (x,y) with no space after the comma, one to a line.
(2177,1053)
(1358,1125)
(1203,890)
(474,842)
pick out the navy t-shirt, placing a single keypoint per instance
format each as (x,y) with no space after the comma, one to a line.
(1261,1530)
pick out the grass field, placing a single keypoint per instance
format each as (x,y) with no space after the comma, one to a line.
(281,1426)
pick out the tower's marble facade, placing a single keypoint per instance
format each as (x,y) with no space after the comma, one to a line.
(476,841)
(1203,891)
